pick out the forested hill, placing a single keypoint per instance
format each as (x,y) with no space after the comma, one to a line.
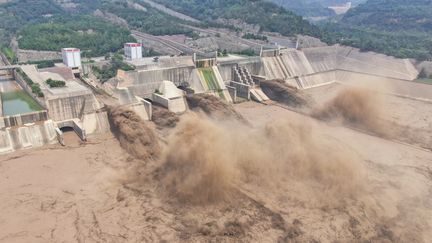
(269,16)
(399,28)
(46,25)
(392,15)
(306,8)
(51,24)
(314,8)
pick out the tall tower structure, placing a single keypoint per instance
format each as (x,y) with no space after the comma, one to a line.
(133,51)
(71,57)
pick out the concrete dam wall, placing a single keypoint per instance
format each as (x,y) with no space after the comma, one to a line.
(25,137)
(307,68)
(66,108)
(22,119)
(84,108)
(317,66)
(253,64)
(150,73)
(351,59)
(143,83)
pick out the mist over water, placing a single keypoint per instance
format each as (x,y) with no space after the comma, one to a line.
(278,90)
(210,158)
(213,106)
(355,106)
(134,135)
(206,161)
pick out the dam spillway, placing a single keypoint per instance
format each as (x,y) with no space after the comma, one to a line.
(31,120)
(304,69)
(76,106)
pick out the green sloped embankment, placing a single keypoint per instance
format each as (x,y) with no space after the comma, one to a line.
(210,78)
(211,81)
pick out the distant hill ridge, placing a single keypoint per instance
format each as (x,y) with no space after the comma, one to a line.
(399,28)
(392,15)
(269,16)
(18,14)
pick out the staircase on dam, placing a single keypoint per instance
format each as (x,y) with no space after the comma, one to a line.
(242,75)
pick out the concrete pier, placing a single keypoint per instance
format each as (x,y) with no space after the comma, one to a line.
(170,97)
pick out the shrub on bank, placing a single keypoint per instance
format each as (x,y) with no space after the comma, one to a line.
(55,83)
(36,89)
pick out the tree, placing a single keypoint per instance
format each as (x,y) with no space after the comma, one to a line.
(55,83)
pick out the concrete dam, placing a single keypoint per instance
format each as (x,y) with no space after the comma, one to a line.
(303,69)
(30,120)
(317,66)
(35,120)
(23,121)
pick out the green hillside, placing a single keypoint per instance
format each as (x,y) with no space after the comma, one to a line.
(151,21)
(395,27)
(93,36)
(269,16)
(313,8)
(46,25)
(305,8)
(51,24)
(392,15)
(14,15)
